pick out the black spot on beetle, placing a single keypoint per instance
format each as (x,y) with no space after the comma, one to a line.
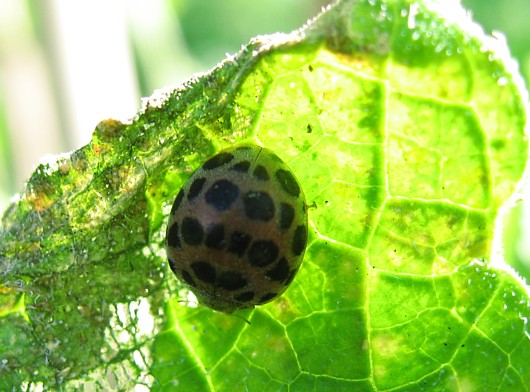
(262,253)
(204,271)
(172,265)
(196,188)
(173,238)
(215,236)
(258,206)
(231,280)
(299,240)
(188,278)
(261,173)
(286,216)
(288,182)
(177,202)
(241,167)
(222,194)
(246,149)
(266,298)
(280,272)
(192,231)
(218,160)
(290,277)
(245,297)
(238,243)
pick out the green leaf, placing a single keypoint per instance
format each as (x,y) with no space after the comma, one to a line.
(405,125)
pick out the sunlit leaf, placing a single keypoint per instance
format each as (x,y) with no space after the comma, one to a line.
(405,125)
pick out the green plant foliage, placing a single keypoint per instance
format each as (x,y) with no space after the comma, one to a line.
(406,127)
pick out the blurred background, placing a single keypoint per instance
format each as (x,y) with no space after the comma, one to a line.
(66,65)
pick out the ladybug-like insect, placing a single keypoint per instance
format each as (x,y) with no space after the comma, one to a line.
(237,231)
